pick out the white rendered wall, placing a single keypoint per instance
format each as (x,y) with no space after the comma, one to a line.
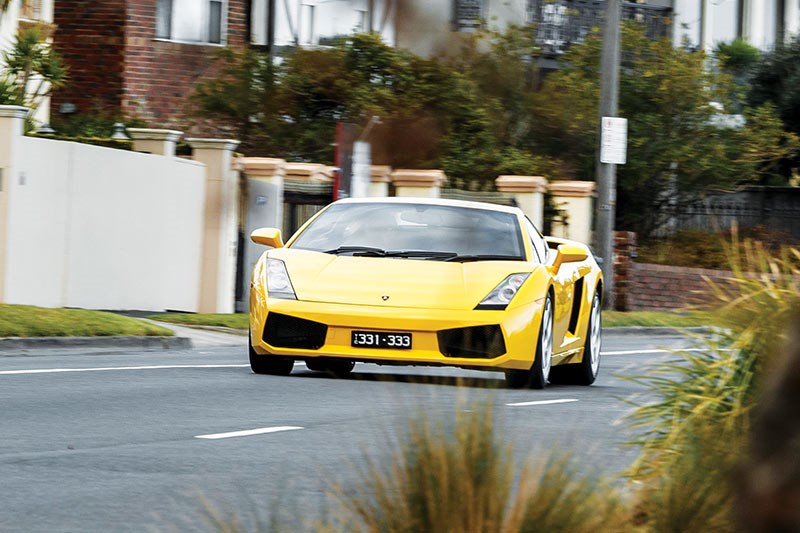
(102,228)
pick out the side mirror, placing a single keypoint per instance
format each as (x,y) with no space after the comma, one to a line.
(568,253)
(267,237)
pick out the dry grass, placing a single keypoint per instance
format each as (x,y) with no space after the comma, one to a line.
(461,479)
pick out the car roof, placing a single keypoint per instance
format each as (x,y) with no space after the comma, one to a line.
(433,201)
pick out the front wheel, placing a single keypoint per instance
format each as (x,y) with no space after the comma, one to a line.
(536,377)
(585,372)
(269,364)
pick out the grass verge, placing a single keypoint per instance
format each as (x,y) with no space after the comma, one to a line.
(29,321)
(656,319)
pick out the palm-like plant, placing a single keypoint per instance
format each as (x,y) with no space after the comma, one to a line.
(32,70)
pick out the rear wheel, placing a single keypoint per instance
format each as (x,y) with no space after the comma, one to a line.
(585,372)
(269,364)
(536,377)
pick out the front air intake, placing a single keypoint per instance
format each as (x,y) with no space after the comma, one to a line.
(478,342)
(283,331)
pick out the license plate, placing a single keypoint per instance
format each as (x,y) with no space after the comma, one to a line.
(381,339)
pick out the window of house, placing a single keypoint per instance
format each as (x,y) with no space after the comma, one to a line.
(468,14)
(31,10)
(192,21)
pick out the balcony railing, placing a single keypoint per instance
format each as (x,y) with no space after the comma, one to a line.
(560,23)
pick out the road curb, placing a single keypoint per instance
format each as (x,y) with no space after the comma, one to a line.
(658,331)
(11,346)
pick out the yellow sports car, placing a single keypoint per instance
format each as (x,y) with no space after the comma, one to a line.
(420,281)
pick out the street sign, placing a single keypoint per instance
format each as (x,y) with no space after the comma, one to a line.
(614,140)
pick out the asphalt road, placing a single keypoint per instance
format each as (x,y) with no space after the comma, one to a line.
(113,442)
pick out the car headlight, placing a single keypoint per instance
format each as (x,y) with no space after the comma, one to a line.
(502,295)
(278,283)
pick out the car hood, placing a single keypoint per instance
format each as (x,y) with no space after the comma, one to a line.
(390,282)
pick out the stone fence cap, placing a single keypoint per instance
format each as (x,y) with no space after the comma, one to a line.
(214,144)
(572,188)
(521,184)
(308,172)
(151,134)
(418,178)
(381,174)
(262,166)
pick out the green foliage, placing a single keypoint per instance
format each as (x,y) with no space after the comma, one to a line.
(776,79)
(32,70)
(738,56)
(481,113)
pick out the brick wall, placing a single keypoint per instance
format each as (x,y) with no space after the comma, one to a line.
(117,64)
(90,36)
(624,253)
(655,287)
(642,286)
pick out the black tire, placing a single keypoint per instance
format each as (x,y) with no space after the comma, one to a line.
(537,376)
(269,364)
(585,372)
(339,368)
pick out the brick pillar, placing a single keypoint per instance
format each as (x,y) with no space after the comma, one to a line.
(380,178)
(419,183)
(528,192)
(575,198)
(150,141)
(12,120)
(218,278)
(624,254)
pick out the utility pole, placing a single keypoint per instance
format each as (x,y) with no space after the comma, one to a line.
(607,172)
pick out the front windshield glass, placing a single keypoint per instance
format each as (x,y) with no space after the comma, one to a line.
(420,231)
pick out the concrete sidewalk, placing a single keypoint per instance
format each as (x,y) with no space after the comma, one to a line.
(185,338)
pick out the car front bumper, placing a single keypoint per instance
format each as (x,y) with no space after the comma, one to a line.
(519,327)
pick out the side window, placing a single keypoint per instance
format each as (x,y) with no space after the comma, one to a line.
(191,21)
(538,242)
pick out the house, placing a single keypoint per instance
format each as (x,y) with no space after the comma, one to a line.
(429,27)
(141,58)
(762,23)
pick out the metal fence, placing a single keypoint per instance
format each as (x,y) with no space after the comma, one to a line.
(301,201)
(773,209)
(561,23)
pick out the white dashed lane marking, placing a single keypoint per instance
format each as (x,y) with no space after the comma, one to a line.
(541,402)
(247,432)
(109,369)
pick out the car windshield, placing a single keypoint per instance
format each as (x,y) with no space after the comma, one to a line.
(418,231)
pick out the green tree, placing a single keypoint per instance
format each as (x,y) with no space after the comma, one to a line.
(776,79)
(241,97)
(677,150)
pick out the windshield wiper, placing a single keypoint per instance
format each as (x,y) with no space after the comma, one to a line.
(358,251)
(483,257)
(432,254)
